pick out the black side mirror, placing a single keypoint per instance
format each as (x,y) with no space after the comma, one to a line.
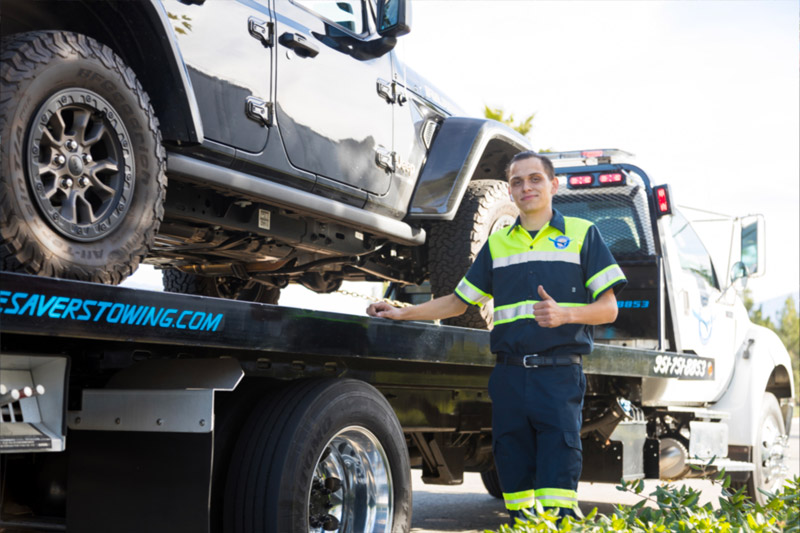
(394,17)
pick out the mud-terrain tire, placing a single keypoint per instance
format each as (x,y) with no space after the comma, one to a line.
(453,245)
(229,288)
(769,453)
(301,438)
(491,481)
(82,169)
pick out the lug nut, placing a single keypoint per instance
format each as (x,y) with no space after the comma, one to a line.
(59,160)
(72,145)
(83,182)
(87,158)
(66,183)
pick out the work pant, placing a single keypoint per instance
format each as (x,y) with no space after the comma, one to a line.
(536,421)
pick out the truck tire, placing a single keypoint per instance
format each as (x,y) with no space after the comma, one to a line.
(82,169)
(453,245)
(492,482)
(769,453)
(219,287)
(320,455)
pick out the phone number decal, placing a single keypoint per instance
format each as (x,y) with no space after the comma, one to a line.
(683,367)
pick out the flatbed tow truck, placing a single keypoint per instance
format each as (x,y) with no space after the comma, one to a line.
(128,410)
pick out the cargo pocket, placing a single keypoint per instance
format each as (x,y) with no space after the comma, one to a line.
(573,440)
(573,460)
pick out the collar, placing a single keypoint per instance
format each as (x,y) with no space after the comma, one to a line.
(556,221)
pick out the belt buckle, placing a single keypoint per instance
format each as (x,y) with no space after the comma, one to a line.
(525,361)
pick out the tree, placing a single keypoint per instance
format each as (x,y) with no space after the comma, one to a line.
(498,114)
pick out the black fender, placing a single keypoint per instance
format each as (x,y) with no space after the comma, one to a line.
(464,149)
(141,34)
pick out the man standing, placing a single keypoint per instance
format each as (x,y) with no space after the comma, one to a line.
(552,278)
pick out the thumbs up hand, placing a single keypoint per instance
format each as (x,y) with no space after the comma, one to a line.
(548,313)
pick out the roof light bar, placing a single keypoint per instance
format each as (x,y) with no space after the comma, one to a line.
(587,157)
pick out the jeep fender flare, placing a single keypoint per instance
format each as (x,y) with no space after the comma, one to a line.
(463,150)
(156,58)
(762,365)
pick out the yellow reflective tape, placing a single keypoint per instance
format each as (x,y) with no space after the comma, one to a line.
(535,255)
(471,293)
(600,281)
(516,501)
(557,498)
(517,311)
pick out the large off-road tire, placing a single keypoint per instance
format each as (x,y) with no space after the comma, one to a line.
(769,453)
(82,169)
(230,288)
(492,482)
(320,455)
(453,245)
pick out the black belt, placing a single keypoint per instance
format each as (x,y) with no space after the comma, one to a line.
(534,360)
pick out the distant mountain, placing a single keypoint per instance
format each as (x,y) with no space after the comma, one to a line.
(772,308)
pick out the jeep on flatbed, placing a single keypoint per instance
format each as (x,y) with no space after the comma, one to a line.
(298,148)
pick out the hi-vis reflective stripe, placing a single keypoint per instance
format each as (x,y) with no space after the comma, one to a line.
(604,279)
(557,498)
(519,500)
(564,257)
(471,293)
(519,310)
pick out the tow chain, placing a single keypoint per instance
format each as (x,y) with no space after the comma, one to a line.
(374,299)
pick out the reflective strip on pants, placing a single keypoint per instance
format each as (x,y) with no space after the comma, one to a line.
(557,498)
(516,501)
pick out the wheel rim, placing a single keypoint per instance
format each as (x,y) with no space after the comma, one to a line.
(352,486)
(772,446)
(502,222)
(80,164)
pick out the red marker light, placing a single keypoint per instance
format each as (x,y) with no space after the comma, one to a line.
(580,181)
(611,178)
(663,200)
(592,153)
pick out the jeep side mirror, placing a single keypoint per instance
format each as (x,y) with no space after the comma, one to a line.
(752,245)
(394,17)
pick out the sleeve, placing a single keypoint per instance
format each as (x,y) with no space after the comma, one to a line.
(600,269)
(475,288)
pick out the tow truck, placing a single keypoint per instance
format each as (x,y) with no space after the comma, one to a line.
(129,410)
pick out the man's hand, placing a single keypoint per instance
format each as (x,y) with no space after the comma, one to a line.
(548,313)
(384,310)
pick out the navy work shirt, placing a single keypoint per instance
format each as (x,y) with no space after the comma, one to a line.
(567,257)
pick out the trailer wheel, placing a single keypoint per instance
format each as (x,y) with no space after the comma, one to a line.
(453,245)
(769,453)
(82,169)
(321,455)
(492,482)
(219,287)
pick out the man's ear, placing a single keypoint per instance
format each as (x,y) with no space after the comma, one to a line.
(555,185)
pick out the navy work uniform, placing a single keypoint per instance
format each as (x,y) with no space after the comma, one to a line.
(538,384)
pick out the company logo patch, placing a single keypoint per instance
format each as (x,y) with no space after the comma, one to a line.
(561,242)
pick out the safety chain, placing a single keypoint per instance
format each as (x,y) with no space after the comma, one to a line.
(373,299)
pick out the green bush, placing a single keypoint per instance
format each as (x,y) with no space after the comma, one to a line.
(676,510)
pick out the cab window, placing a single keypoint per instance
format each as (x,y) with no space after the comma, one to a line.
(693,255)
(347,14)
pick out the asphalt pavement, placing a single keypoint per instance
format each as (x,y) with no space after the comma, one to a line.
(468,508)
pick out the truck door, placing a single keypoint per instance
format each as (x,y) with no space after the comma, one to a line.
(225,47)
(704,322)
(332,118)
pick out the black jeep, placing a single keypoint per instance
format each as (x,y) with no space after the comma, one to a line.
(298,148)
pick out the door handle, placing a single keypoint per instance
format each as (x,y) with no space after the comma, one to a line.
(299,44)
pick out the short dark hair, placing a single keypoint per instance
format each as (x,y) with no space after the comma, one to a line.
(528,154)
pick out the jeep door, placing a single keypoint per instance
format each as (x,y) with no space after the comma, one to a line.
(229,66)
(331,117)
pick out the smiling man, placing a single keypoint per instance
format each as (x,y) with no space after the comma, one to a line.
(552,278)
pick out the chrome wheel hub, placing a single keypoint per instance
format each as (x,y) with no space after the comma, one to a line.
(351,490)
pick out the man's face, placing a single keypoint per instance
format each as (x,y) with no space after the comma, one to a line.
(529,185)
